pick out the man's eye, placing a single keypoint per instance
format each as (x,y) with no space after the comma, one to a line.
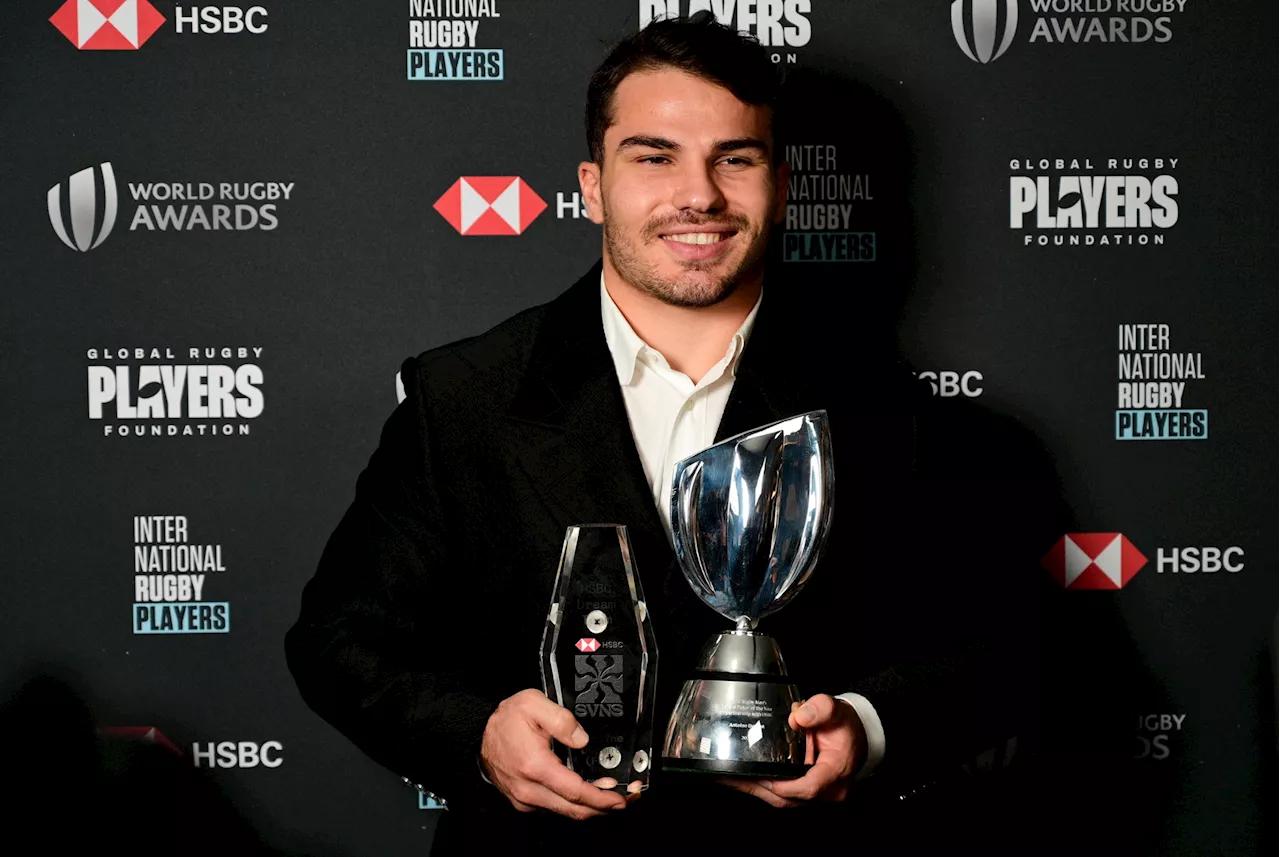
(653,159)
(735,161)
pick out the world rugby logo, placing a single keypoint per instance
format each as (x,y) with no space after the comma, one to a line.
(83,210)
(985,26)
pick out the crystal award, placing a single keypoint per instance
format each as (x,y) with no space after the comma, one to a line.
(599,658)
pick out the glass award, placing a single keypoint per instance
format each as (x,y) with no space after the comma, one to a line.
(599,658)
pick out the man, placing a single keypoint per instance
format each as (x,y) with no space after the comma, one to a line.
(419,634)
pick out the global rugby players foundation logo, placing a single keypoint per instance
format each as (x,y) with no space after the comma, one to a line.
(90,222)
(490,205)
(1093,561)
(987,23)
(107,25)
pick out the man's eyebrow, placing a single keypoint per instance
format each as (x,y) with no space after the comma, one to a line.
(641,141)
(742,143)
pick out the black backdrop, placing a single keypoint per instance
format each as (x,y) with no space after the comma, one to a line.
(922,147)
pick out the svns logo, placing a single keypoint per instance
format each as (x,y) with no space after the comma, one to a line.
(598,682)
(986,25)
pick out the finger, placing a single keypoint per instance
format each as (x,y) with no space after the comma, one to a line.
(816,711)
(576,790)
(556,721)
(756,788)
(818,778)
(544,798)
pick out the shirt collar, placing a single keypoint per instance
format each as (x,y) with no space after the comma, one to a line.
(626,346)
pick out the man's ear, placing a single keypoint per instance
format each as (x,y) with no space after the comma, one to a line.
(589,181)
(781,175)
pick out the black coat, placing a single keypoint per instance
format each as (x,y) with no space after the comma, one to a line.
(429,602)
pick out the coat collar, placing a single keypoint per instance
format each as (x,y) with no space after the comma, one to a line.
(568,421)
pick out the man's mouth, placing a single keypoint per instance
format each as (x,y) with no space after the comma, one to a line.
(698,237)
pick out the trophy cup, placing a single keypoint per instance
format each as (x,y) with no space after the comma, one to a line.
(749,519)
(599,658)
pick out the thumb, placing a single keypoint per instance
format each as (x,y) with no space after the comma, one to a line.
(559,723)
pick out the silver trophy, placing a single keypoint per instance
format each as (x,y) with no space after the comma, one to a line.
(749,520)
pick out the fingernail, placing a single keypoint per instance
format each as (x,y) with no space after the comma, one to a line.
(807,712)
(578,737)
(767,784)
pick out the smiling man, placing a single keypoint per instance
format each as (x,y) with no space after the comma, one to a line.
(419,633)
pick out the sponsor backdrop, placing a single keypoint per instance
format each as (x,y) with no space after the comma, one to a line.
(224,227)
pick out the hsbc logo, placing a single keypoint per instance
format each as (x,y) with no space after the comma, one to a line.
(107,25)
(145,734)
(90,223)
(587,644)
(1109,560)
(490,205)
(987,31)
(1093,561)
(126,25)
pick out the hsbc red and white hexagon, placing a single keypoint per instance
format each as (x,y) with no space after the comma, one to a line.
(107,25)
(1093,561)
(490,205)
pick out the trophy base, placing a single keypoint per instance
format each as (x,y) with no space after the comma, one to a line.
(724,768)
(733,717)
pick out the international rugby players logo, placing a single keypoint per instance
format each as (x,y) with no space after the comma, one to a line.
(986,25)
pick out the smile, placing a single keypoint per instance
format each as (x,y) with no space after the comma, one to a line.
(698,237)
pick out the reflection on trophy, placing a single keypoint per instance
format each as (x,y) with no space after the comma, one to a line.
(749,520)
(599,657)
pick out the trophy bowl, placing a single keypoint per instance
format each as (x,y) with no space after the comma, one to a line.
(749,520)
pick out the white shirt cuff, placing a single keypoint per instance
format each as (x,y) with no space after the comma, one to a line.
(872,727)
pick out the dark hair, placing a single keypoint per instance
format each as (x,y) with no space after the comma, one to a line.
(698,46)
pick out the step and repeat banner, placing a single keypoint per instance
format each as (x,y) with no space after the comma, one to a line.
(225,226)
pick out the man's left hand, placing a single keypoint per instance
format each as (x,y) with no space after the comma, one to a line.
(836,746)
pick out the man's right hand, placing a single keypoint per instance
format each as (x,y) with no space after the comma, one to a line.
(516,753)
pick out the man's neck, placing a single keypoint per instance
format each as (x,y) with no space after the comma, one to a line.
(692,339)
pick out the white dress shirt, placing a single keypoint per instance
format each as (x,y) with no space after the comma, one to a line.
(672,418)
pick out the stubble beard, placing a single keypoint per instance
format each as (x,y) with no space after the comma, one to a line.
(702,289)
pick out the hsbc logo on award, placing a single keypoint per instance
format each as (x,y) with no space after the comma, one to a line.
(987,31)
(587,644)
(490,205)
(1093,561)
(598,681)
(107,25)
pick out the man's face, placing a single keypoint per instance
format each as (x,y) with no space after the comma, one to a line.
(687,191)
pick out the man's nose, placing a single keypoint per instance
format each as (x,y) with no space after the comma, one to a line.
(697,189)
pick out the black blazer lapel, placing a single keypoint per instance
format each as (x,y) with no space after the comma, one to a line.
(568,423)
(771,382)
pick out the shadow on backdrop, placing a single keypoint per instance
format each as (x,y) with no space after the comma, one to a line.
(985,491)
(74,790)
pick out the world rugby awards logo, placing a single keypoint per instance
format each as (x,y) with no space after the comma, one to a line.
(984,23)
(82,206)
